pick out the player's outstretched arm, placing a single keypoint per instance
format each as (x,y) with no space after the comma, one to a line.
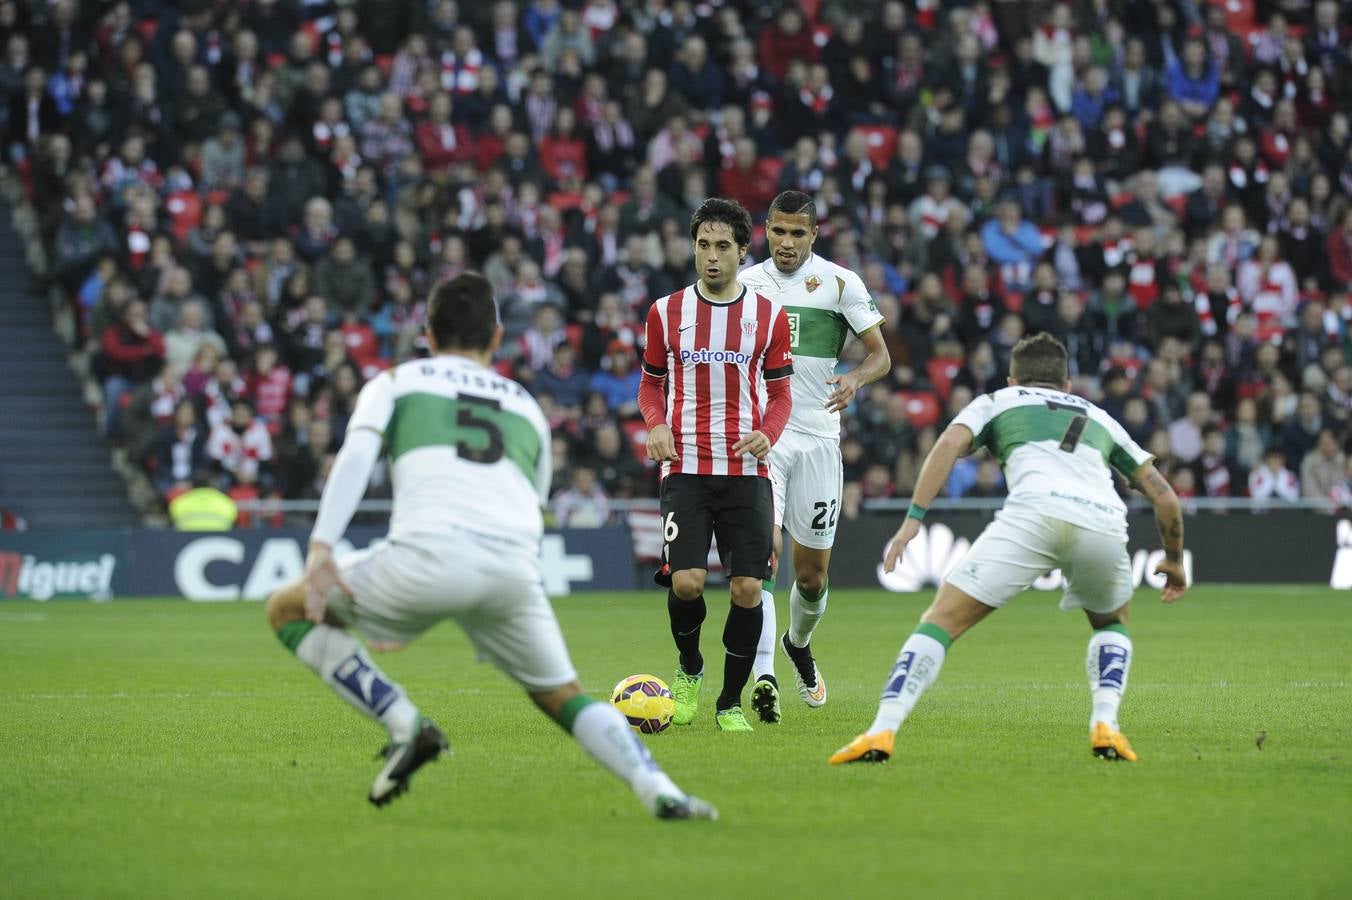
(343,490)
(955,442)
(1169,518)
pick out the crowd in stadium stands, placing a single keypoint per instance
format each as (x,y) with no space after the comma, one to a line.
(246,202)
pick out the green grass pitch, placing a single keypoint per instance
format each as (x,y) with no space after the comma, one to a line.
(168,749)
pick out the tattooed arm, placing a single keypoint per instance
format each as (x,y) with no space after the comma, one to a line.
(1169,518)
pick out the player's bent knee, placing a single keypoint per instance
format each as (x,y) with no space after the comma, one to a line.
(1103,620)
(286,604)
(551,702)
(746,591)
(955,611)
(688,584)
(810,580)
(809,568)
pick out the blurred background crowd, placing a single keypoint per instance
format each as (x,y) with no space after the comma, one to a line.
(244,203)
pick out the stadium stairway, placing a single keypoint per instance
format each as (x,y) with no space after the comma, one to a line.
(55,468)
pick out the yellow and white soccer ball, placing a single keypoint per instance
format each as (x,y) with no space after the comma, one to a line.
(645,701)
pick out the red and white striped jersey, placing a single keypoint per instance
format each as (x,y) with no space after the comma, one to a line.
(716,357)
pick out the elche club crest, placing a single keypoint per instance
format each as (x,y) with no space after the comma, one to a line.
(812,282)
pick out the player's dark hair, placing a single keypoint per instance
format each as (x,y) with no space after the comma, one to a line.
(461,313)
(726,212)
(791,203)
(1040,359)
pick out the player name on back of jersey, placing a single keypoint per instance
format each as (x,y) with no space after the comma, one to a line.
(467,375)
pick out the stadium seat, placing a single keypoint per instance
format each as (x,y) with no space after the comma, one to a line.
(922,408)
(882,143)
(771,167)
(243,492)
(574,333)
(1241,16)
(941,371)
(185,213)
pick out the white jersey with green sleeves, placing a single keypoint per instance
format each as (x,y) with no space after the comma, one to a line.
(1057,451)
(468,449)
(824,302)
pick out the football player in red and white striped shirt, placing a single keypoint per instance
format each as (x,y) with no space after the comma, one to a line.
(715,396)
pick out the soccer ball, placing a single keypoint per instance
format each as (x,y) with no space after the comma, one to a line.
(645,700)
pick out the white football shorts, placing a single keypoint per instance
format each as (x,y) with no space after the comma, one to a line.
(1018,548)
(399,589)
(807,475)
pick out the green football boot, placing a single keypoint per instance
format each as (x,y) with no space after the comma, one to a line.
(685,691)
(732,719)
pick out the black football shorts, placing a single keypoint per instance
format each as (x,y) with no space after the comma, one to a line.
(737,509)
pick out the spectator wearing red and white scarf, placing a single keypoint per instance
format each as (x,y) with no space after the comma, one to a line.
(1267,285)
(1266,43)
(546,332)
(460,64)
(1272,480)
(1234,243)
(130,166)
(240,445)
(1219,305)
(1052,47)
(599,16)
(221,391)
(931,211)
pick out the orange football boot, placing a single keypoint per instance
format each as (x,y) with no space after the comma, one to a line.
(1110,744)
(874,748)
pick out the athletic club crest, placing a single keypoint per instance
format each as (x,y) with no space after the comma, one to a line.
(748,327)
(812,282)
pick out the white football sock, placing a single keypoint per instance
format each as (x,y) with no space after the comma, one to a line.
(603,732)
(1107,662)
(916,669)
(341,660)
(765,650)
(804,614)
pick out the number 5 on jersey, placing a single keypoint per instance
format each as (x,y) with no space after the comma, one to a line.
(473,417)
